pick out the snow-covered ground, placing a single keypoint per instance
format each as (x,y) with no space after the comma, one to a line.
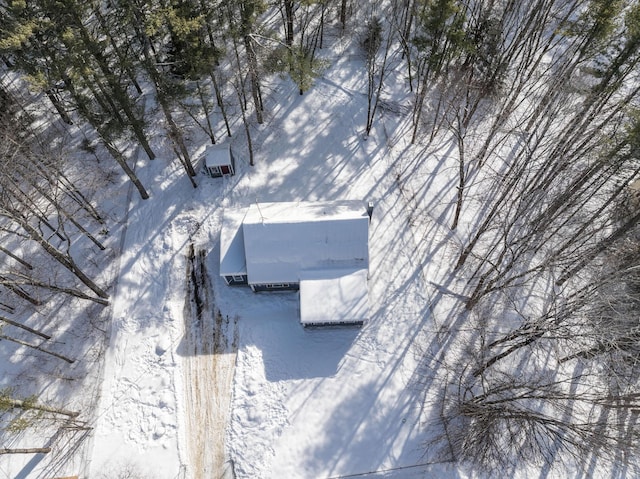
(305,403)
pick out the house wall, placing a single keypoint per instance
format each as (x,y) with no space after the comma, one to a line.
(216,171)
(212,172)
(326,324)
(275,287)
(236,280)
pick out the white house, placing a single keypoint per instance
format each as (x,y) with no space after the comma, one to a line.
(219,160)
(318,248)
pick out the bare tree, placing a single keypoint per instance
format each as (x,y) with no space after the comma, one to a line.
(26,328)
(8,402)
(29,202)
(503,421)
(37,348)
(33,450)
(377,68)
(242,19)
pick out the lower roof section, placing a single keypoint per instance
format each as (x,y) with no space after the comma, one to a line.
(232,258)
(334,296)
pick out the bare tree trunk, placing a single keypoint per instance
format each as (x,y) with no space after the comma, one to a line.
(245,122)
(185,165)
(494,359)
(61,258)
(7,307)
(114,45)
(343,14)
(600,247)
(205,108)
(122,161)
(374,89)
(33,450)
(288,11)
(9,402)
(69,216)
(421,94)
(240,93)
(118,92)
(26,328)
(24,280)
(18,259)
(29,204)
(37,348)
(212,75)
(322,14)
(106,140)
(55,101)
(69,187)
(176,137)
(220,102)
(19,292)
(252,62)
(461,176)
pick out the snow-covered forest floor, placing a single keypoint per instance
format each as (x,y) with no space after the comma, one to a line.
(182,376)
(306,403)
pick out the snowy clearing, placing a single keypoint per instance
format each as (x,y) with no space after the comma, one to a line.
(186,377)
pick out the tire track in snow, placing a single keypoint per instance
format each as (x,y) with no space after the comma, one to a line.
(209,365)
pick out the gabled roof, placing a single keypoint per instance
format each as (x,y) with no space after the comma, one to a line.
(217,155)
(282,239)
(335,296)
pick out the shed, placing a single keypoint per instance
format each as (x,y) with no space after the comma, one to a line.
(219,160)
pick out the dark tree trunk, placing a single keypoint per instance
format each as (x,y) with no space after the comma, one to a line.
(55,101)
(17,258)
(61,258)
(253,75)
(121,160)
(288,9)
(37,348)
(343,14)
(26,328)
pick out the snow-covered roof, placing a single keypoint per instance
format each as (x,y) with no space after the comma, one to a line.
(333,296)
(232,258)
(217,155)
(282,239)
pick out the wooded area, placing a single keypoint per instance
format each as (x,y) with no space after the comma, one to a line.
(539,98)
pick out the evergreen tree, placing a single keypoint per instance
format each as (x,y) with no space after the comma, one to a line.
(440,39)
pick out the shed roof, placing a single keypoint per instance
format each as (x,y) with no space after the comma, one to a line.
(281,239)
(333,296)
(217,155)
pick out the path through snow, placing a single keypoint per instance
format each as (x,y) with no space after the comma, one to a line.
(210,346)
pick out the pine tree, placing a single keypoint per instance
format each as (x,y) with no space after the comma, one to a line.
(440,39)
